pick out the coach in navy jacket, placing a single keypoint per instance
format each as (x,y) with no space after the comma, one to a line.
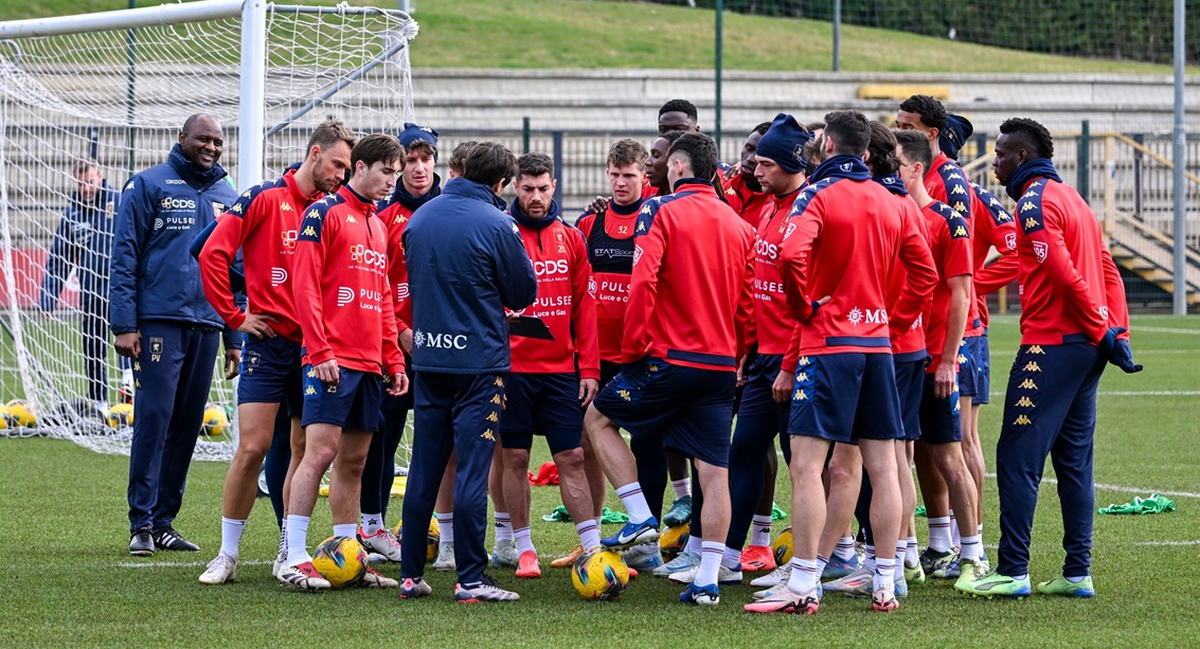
(161,319)
(465,264)
(82,243)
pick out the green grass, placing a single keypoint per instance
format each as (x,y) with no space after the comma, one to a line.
(593,35)
(66,579)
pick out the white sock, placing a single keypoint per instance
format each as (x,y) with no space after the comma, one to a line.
(1076,580)
(845,548)
(884,571)
(710,562)
(231,536)
(504,530)
(869,557)
(901,547)
(682,487)
(297,540)
(911,555)
(731,558)
(693,545)
(955,537)
(347,530)
(804,576)
(939,534)
(1022,577)
(524,541)
(635,502)
(446,526)
(589,534)
(971,547)
(371,523)
(760,530)
(821,563)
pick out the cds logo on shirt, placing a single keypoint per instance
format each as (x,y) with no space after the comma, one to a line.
(551,267)
(360,254)
(172,204)
(289,240)
(766,249)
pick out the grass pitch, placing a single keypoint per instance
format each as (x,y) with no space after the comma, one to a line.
(66,578)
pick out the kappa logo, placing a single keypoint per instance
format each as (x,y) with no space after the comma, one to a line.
(1032,366)
(345,295)
(803,362)
(488,435)
(1024,402)
(286,207)
(624,394)
(731,192)
(493,417)
(799,396)
(289,239)
(960,231)
(1036,349)
(312,372)
(128,185)
(960,207)
(499,382)
(313,214)
(310,231)
(1010,240)
(278,276)
(958,189)
(802,377)
(496,399)
(236,209)
(1040,250)
(1028,384)
(1022,420)
(1028,206)
(350,219)
(310,391)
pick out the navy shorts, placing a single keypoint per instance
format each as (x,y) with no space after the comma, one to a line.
(608,371)
(542,404)
(910,377)
(981,358)
(690,409)
(845,397)
(352,404)
(941,419)
(966,371)
(270,373)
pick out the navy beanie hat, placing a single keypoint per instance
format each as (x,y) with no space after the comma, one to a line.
(954,136)
(784,143)
(413,132)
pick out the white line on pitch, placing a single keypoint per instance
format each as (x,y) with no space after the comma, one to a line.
(1168,543)
(1132,490)
(181,564)
(1168,330)
(1136,393)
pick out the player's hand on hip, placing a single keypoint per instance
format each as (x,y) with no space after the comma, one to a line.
(781,389)
(588,389)
(944,378)
(128,345)
(233,358)
(327,372)
(399,384)
(258,325)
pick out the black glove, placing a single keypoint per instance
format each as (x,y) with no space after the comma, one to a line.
(1109,340)
(1122,356)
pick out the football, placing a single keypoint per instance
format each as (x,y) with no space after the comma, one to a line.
(341,560)
(5,418)
(673,539)
(600,575)
(20,414)
(431,542)
(782,547)
(120,415)
(216,422)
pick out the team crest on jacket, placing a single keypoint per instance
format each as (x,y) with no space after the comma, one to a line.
(1040,249)
(1010,240)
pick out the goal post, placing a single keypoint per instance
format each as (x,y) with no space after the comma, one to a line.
(114,88)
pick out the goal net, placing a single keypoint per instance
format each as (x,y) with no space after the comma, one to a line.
(115,88)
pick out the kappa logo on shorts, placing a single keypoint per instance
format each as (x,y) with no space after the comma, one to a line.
(137,366)
(1028,384)
(496,400)
(1022,420)
(488,435)
(1024,402)
(493,417)
(1032,366)
(156,349)
(624,394)
(799,396)
(802,376)
(499,382)
(803,361)
(311,390)
(1035,349)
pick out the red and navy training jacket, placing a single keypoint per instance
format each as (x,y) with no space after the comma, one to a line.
(773,321)
(950,241)
(610,242)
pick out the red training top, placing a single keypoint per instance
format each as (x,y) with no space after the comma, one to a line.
(1070,287)
(564,302)
(950,240)
(693,273)
(749,204)
(341,288)
(394,217)
(773,321)
(263,223)
(609,238)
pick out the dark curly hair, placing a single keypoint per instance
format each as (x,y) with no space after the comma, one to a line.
(1033,135)
(932,112)
(679,106)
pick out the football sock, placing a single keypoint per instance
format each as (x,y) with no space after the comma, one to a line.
(845,548)
(884,571)
(693,545)
(446,526)
(1076,580)
(821,563)
(682,487)
(760,530)
(731,558)
(971,547)
(504,530)
(804,576)
(710,562)
(635,502)
(348,530)
(1020,577)
(589,534)
(231,536)
(901,548)
(955,537)
(911,555)
(869,557)
(939,534)
(297,539)
(524,541)
(371,524)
